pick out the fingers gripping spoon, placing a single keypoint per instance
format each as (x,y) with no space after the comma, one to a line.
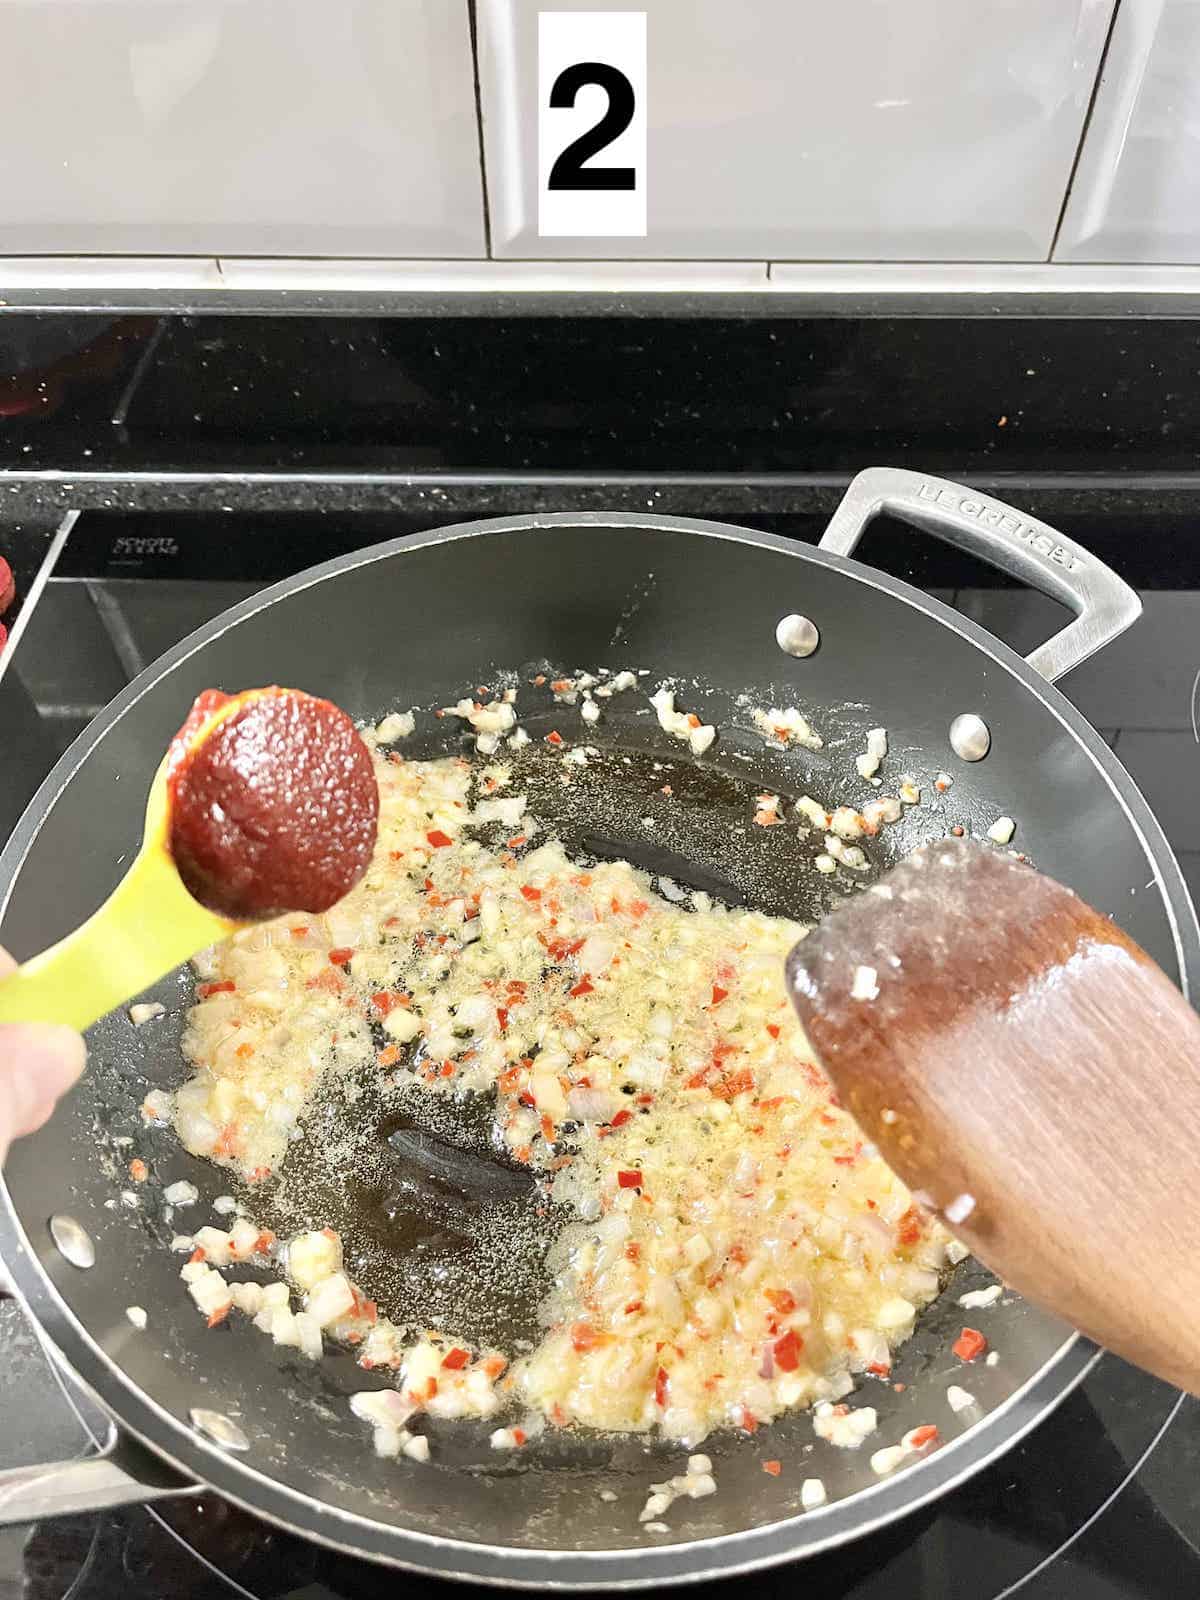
(266,802)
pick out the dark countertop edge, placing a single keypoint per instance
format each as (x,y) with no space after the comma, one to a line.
(199,489)
(765,302)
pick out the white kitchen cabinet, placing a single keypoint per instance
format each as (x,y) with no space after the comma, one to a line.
(1136,194)
(240,127)
(918,130)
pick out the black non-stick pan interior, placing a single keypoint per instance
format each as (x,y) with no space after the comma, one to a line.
(419,627)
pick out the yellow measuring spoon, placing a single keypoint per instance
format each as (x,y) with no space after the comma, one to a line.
(146,927)
(304,757)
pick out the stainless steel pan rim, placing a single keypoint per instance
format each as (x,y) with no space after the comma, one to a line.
(171,1438)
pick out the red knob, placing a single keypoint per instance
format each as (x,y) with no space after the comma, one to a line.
(8,588)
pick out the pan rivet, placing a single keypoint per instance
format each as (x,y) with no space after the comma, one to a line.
(220,1429)
(74,1243)
(969,737)
(797,636)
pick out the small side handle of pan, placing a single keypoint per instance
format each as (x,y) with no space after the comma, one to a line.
(123,1474)
(1104,604)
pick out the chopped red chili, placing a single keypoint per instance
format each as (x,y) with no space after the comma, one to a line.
(733,1084)
(787,1351)
(629,1180)
(438,839)
(969,1344)
(908,1229)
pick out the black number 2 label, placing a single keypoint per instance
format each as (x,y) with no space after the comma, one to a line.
(569,172)
(591,99)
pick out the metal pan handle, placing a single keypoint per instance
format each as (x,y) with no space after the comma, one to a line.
(1104,604)
(122,1473)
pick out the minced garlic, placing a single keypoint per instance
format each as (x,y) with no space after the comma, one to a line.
(738,1250)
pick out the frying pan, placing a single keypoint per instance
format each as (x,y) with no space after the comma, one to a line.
(418,621)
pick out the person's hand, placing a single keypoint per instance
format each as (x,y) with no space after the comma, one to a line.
(39,1061)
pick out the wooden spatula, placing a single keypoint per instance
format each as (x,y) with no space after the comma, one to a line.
(1033,1077)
